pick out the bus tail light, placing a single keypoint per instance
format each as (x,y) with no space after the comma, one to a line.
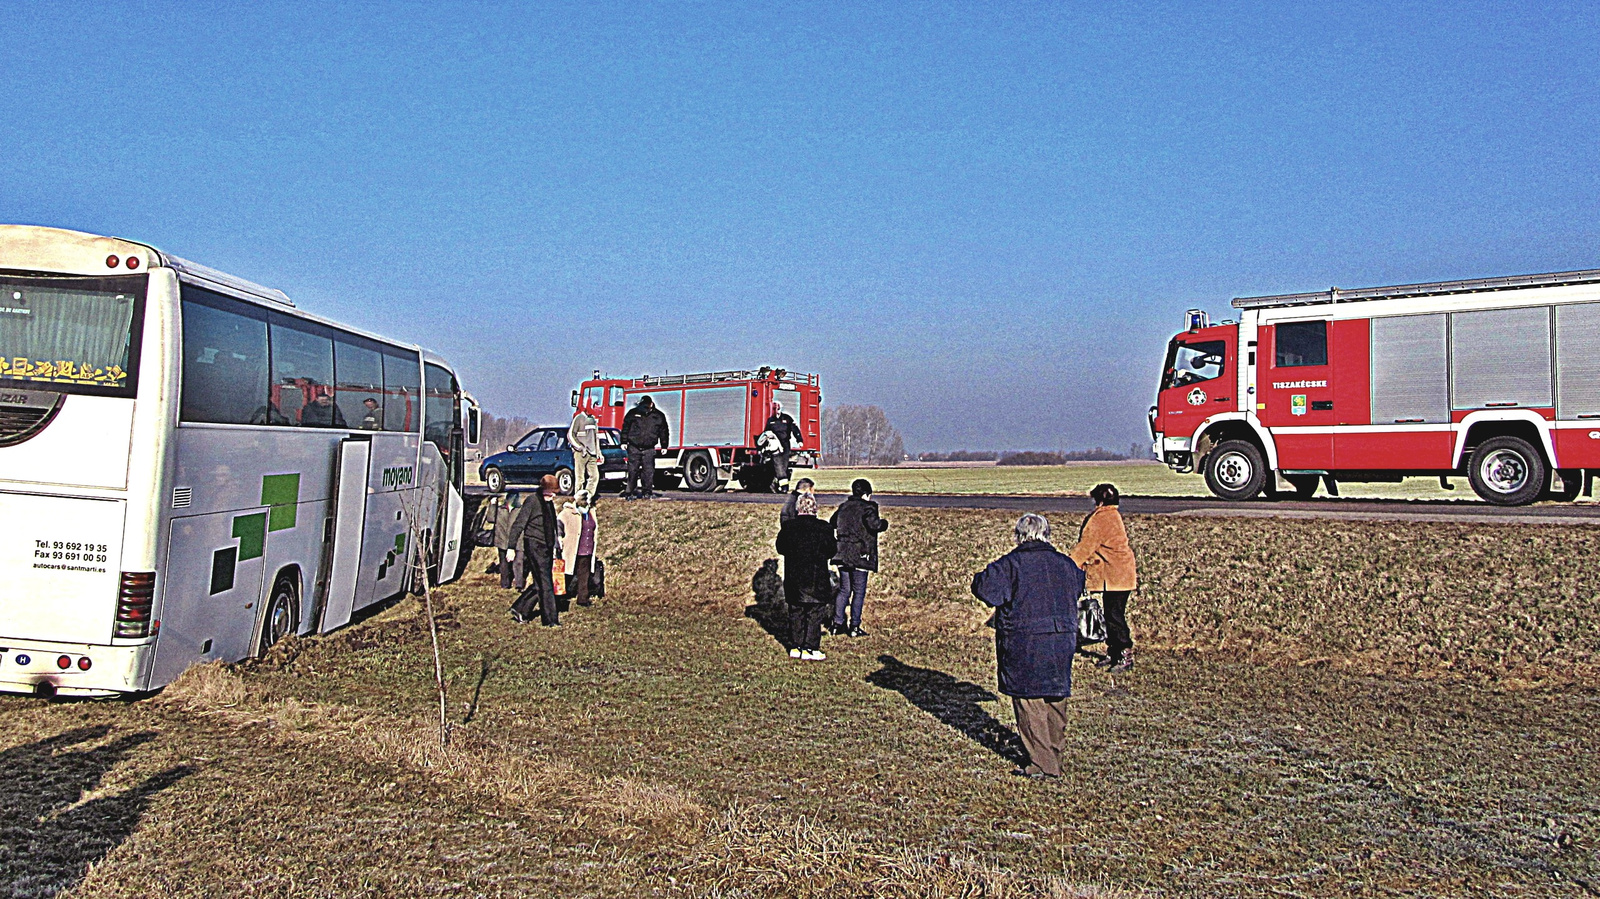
(64,662)
(84,664)
(135,599)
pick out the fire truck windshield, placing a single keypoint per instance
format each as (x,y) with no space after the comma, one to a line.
(1188,363)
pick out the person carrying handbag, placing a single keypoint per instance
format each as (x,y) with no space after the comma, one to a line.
(1102,551)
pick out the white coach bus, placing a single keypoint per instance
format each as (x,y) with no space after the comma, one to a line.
(192,468)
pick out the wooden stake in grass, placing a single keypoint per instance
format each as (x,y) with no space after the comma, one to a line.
(421,562)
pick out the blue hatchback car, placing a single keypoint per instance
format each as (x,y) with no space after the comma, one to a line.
(545,451)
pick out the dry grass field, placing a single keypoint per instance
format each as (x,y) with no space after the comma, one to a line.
(1319,709)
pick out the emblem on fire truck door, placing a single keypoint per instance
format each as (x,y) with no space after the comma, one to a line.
(1197,397)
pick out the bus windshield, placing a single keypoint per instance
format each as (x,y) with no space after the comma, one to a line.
(71,334)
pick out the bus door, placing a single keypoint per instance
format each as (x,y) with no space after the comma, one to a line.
(352,470)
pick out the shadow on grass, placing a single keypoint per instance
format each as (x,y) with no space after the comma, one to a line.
(484,665)
(954,702)
(47,839)
(770,610)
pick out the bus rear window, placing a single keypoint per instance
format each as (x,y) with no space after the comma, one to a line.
(70,334)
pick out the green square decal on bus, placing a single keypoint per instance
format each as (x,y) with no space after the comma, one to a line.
(282,493)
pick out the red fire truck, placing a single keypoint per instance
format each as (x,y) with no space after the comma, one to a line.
(1496,379)
(714,419)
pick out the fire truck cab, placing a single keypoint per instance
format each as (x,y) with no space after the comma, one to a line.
(1495,379)
(714,420)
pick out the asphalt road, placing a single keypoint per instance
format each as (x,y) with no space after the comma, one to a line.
(1464,511)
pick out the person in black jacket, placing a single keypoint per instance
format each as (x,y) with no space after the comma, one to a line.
(643,429)
(858,526)
(533,536)
(806,544)
(1034,590)
(782,427)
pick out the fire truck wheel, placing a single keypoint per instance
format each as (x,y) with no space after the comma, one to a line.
(1572,485)
(1235,470)
(1305,485)
(699,475)
(1507,471)
(279,620)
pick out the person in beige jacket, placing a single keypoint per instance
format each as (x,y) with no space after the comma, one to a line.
(578,532)
(1102,551)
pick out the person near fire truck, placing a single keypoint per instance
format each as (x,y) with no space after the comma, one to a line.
(1102,551)
(781,425)
(584,438)
(643,429)
(858,525)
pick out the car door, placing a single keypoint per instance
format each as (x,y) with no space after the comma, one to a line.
(545,458)
(613,458)
(519,466)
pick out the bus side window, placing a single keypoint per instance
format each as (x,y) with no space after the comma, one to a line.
(402,389)
(360,385)
(302,375)
(225,375)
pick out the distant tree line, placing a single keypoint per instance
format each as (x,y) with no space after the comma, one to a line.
(859,435)
(1039,457)
(498,433)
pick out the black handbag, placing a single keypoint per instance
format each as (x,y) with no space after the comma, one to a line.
(483,527)
(1091,619)
(597,579)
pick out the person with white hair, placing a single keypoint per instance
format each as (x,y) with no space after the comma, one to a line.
(1034,590)
(806,544)
(578,532)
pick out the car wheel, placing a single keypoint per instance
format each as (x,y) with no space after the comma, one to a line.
(278,621)
(699,474)
(564,481)
(1235,470)
(494,480)
(1507,471)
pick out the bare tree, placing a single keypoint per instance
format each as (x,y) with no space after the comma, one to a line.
(860,435)
(499,432)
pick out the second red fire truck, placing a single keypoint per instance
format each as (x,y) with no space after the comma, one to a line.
(714,419)
(1496,379)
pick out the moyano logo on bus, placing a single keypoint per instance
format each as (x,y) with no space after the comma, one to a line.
(398,477)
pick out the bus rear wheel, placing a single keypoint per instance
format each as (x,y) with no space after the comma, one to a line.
(1507,471)
(1235,470)
(278,621)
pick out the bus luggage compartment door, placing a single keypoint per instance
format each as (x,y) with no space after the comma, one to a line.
(349,524)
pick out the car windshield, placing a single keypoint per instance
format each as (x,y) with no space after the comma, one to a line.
(530,441)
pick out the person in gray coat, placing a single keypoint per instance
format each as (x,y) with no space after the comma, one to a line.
(1034,590)
(504,511)
(858,525)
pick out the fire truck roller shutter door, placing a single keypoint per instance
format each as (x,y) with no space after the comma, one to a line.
(1578,384)
(1410,387)
(1501,357)
(714,416)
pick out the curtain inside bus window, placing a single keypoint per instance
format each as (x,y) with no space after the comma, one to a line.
(359,394)
(302,375)
(225,374)
(441,412)
(402,391)
(71,335)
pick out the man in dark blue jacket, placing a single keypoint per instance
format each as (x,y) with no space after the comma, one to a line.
(1034,590)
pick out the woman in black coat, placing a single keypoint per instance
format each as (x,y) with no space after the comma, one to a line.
(806,544)
(858,525)
(1034,590)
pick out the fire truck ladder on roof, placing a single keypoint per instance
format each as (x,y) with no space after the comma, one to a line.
(1479,285)
(712,377)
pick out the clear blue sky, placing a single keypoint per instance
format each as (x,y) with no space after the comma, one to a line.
(985,218)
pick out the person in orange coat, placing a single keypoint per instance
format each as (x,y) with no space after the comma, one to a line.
(1102,551)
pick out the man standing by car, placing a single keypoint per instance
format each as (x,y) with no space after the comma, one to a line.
(584,437)
(643,429)
(782,426)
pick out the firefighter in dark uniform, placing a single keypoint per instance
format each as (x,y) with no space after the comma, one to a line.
(782,426)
